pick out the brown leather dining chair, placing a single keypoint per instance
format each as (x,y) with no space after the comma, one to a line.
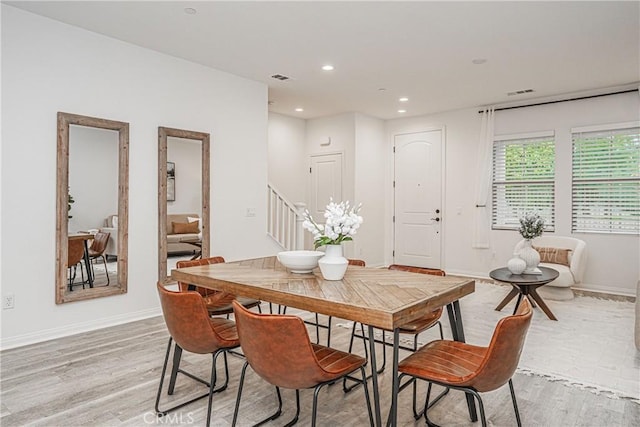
(193,330)
(278,349)
(471,368)
(414,328)
(97,248)
(217,302)
(75,254)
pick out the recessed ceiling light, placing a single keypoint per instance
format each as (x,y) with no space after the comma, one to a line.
(327,67)
(479,61)
(299,110)
(190,11)
(403,99)
(402,111)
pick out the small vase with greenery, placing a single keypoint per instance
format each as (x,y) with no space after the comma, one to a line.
(70,201)
(531,226)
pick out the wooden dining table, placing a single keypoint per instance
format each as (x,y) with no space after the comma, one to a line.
(378,298)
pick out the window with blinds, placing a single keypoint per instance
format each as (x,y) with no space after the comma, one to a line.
(606,180)
(523,180)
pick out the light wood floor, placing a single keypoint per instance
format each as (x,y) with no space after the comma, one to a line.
(110,377)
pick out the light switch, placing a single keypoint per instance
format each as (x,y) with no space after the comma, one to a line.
(251,212)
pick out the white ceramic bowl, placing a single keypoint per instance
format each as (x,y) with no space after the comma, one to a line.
(300,261)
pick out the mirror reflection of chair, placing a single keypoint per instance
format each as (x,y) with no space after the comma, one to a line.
(217,302)
(278,349)
(415,328)
(193,330)
(471,368)
(75,255)
(96,250)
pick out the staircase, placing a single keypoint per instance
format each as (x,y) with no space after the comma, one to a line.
(284,220)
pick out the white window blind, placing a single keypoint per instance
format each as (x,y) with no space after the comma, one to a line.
(523,180)
(606,181)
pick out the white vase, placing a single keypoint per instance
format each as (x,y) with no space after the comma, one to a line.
(516,265)
(530,256)
(333,265)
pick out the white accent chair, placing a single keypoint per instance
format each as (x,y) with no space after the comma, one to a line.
(111,227)
(560,289)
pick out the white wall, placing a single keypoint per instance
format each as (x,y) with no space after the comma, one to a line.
(371,152)
(612,260)
(288,164)
(93,176)
(47,67)
(187,156)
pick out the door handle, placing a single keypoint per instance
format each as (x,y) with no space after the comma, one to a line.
(435,219)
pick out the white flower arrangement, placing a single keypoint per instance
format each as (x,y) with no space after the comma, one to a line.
(342,223)
(531,225)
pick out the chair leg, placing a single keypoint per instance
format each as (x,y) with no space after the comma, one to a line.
(315,404)
(162,412)
(317,329)
(426,407)
(366,394)
(106,271)
(212,382)
(481,405)
(237,408)
(346,388)
(295,418)
(177,354)
(515,404)
(164,371)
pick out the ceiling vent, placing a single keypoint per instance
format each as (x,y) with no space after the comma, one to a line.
(520,92)
(280,77)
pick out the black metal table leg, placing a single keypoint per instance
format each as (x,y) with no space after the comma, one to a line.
(457,330)
(393,411)
(87,264)
(374,377)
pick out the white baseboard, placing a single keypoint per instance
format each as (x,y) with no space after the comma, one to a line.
(76,328)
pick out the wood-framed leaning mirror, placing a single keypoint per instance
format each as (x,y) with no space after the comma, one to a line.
(183,197)
(92,207)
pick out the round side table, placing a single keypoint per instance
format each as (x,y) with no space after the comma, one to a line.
(525,285)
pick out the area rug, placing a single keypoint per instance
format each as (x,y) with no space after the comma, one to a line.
(112,268)
(591,346)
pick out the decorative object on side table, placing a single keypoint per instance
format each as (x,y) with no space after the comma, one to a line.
(516,265)
(531,226)
(342,223)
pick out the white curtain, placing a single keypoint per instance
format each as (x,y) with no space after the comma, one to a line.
(482,212)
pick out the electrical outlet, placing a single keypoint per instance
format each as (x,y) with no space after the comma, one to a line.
(8,301)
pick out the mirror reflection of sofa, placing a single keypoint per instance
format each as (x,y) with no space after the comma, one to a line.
(181,228)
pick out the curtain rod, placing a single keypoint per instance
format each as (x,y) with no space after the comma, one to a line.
(562,100)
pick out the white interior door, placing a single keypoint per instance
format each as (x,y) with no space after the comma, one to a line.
(418,199)
(326,182)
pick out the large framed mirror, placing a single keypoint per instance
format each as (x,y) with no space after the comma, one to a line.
(92,207)
(183,197)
